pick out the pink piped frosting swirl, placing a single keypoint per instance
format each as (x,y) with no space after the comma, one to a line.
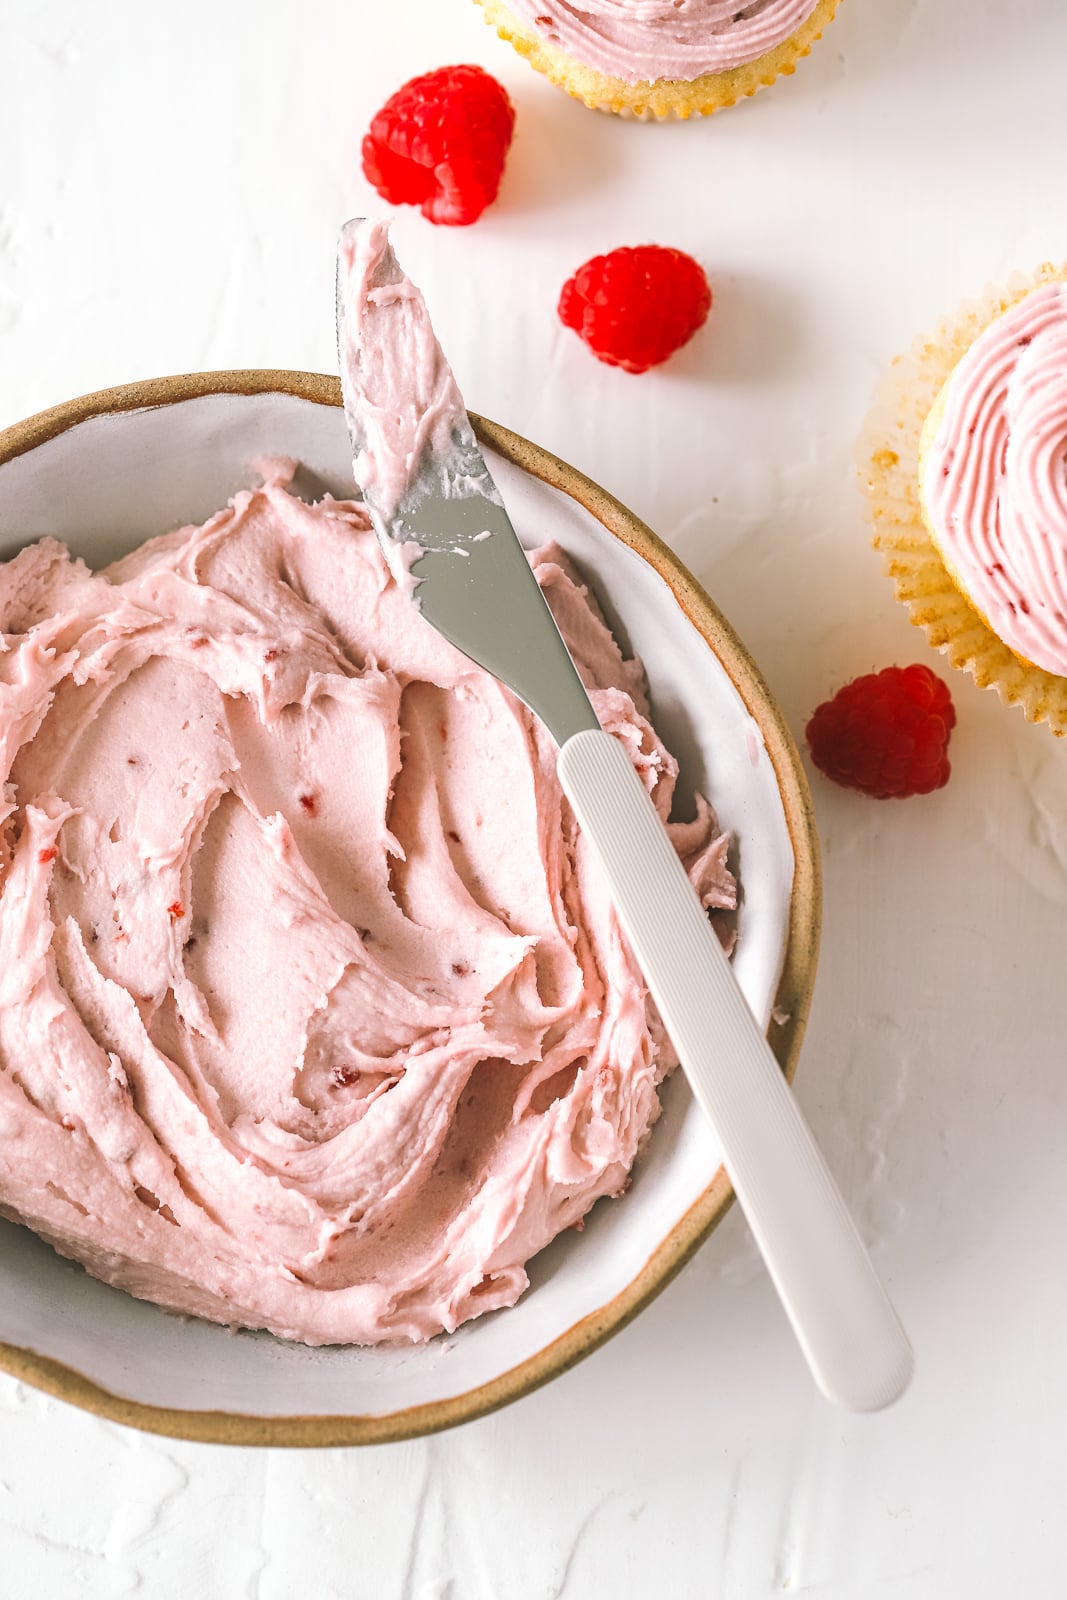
(995,477)
(643,40)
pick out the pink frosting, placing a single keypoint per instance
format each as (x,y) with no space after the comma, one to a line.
(995,476)
(396,377)
(642,40)
(314,1013)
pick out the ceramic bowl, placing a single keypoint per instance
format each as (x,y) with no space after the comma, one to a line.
(107,471)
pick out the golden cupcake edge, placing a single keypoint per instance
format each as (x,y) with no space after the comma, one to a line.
(889,459)
(663,98)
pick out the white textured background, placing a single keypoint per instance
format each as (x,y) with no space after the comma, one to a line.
(171,181)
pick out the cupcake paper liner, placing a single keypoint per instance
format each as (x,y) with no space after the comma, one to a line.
(887,459)
(664,98)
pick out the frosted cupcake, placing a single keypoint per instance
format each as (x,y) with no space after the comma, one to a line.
(661,58)
(964,464)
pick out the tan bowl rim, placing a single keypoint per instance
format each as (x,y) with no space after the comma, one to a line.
(793,995)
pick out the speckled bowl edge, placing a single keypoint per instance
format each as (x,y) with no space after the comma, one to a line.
(793,996)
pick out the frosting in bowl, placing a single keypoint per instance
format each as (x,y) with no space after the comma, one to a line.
(314,1012)
(640,41)
(994,476)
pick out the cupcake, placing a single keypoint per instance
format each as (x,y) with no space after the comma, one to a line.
(964,466)
(661,58)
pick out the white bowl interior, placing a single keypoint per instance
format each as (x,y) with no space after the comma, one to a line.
(106,485)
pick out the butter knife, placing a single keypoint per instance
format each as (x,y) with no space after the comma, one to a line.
(445,533)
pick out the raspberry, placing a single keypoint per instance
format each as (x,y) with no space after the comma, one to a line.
(439,143)
(886,733)
(636,306)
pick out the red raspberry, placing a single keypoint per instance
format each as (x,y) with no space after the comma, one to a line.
(636,306)
(440,143)
(886,733)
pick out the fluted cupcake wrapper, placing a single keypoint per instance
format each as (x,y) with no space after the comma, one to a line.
(664,98)
(887,459)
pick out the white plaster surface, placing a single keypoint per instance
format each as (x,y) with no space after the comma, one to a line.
(171,181)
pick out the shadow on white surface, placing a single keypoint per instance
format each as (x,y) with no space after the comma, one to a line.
(757,332)
(558,155)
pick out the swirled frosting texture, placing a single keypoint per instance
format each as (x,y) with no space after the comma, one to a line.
(642,40)
(314,1013)
(995,476)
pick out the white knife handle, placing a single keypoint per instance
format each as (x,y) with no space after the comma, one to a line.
(857,1350)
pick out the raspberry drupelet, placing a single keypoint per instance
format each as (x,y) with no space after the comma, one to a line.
(440,143)
(886,733)
(637,305)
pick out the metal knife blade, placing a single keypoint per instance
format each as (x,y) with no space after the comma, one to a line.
(439,517)
(435,508)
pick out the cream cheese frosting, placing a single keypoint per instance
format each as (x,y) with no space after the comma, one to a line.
(640,41)
(314,1012)
(401,398)
(994,476)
